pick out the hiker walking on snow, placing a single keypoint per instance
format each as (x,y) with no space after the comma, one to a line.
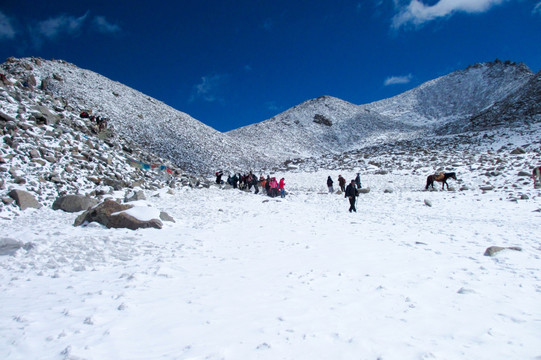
(351,194)
(342,183)
(329,184)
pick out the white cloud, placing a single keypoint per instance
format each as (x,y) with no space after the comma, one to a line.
(397,80)
(417,13)
(63,24)
(6,28)
(537,9)
(210,88)
(104,26)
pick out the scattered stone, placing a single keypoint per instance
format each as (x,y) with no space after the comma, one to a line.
(24,199)
(135,196)
(74,203)
(388,191)
(110,214)
(7,200)
(518,151)
(166,217)
(19,180)
(363,191)
(493,250)
(428,203)
(34,154)
(487,187)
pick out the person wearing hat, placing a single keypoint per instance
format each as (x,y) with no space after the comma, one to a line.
(351,194)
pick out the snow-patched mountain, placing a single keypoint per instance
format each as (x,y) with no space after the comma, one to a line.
(326,124)
(521,107)
(143,120)
(320,126)
(459,95)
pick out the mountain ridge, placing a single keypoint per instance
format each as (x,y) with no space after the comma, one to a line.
(323,125)
(414,113)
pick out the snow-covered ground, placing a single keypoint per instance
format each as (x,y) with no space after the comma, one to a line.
(243,276)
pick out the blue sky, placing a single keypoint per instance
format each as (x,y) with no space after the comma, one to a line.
(234,63)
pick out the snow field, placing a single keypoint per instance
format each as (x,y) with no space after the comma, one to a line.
(243,276)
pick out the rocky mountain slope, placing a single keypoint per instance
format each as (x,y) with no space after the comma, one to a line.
(520,107)
(320,126)
(338,126)
(459,95)
(152,125)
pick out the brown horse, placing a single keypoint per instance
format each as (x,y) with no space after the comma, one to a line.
(441,177)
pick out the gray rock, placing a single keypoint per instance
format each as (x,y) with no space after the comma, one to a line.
(487,188)
(50,158)
(24,199)
(363,191)
(493,250)
(464,291)
(19,180)
(103,214)
(7,200)
(518,151)
(74,203)
(135,196)
(45,116)
(428,203)
(6,118)
(166,217)
(34,154)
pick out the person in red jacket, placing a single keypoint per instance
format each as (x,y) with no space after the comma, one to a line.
(281,186)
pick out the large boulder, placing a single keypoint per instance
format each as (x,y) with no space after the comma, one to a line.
(74,203)
(44,116)
(113,215)
(493,250)
(24,199)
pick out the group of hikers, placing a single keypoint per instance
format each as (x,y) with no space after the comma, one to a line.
(100,121)
(270,185)
(350,191)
